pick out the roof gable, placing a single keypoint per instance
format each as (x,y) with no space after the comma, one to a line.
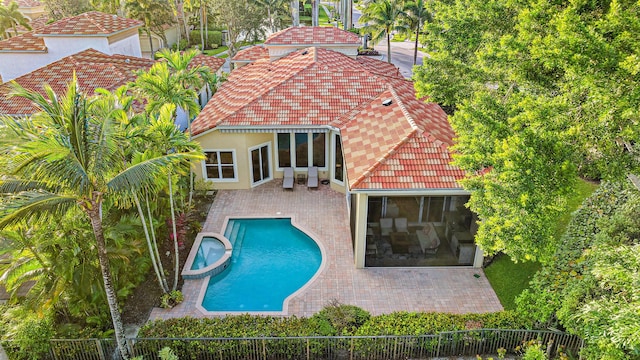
(312,35)
(23,42)
(251,54)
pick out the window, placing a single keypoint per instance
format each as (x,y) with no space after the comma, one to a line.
(220,165)
(284,150)
(319,158)
(338,170)
(302,150)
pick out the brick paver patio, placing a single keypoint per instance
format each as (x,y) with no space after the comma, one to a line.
(323,214)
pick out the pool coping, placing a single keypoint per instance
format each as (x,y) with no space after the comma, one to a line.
(285,303)
(207,271)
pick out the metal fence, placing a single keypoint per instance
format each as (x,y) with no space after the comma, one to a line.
(457,343)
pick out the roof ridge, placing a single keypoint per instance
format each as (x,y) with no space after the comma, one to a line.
(403,108)
(383,159)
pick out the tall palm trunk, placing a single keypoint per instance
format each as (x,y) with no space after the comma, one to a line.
(202,26)
(388,47)
(295,12)
(175,235)
(155,243)
(150,40)
(92,208)
(415,48)
(154,262)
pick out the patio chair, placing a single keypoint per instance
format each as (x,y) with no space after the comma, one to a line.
(287,181)
(312,178)
(401,225)
(386,226)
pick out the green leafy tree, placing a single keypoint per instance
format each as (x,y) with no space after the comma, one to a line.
(60,9)
(380,19)
(70,157)
(528,82)
(240,18)
(10,18)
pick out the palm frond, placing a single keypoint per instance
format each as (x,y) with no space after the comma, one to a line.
(10,185)
(33,206)
(144,174)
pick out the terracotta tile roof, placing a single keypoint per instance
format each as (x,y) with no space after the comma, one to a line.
(252,54)
(312,35)
(307,87)
(380,67)
(90,23)
(93,70)
(24,3)
(24,42)
(214,63)
(36,24)
(400,146)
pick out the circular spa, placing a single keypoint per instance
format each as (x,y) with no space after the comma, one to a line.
(209,256)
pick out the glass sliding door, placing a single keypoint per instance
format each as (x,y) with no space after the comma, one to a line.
(338,165)
(260,164)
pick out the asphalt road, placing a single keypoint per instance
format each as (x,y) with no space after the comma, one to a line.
(401,52)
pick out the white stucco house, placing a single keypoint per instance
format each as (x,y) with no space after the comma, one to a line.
(108,34)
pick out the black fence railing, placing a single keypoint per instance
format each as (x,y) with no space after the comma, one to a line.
(457,343)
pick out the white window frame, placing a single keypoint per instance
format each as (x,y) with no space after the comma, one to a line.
(270,177)
(219,180)
(333,160)
(292,150)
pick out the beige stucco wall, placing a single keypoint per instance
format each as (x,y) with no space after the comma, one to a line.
(240,142)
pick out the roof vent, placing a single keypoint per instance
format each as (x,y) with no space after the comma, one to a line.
(387,102)
(305,52)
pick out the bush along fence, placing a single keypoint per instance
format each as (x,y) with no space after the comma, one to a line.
(456,343)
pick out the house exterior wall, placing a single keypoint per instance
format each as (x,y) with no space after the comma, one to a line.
(240,144)
(15,64)
(61,46)
(126,43)
(278,51)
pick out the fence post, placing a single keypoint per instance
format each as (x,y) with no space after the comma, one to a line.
(264,349)
(351,350)
(439,344)
(308,350)
(99,348)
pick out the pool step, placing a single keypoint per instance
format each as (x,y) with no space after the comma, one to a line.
(233,233)
(239,240)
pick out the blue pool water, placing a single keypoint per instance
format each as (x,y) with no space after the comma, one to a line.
(210,251)
(271,260)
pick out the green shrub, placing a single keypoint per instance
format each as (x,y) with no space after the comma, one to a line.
(339,319)
(28,332)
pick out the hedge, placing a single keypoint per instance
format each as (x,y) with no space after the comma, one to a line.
(398,323)
(215,38)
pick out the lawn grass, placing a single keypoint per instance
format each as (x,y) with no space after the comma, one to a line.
(584,189)
(216,51)
(509,279)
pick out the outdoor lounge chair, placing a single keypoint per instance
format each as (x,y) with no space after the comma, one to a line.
(287,181)
(386,226)
(312,177)
(401,225)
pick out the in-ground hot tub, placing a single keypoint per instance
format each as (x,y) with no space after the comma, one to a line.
(209,256)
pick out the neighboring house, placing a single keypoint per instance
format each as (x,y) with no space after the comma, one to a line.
(170,33)
(93,70)
(31,9)
(359,122)
(105,33)
(291,39)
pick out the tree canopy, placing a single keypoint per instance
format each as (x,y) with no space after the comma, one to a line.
(540,92)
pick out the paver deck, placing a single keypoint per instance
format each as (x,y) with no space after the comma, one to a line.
(323,213)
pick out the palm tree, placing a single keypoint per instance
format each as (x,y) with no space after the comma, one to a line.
(195,78)
(380,19)
(11,17)
(70,157)
(272,11)
(415,16)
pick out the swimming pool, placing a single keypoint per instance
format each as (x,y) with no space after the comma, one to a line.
(271,260)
